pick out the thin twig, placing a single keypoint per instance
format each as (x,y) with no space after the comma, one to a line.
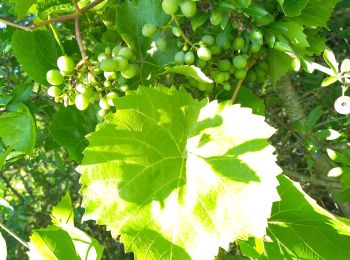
(56,19)
(319,181)
(10,186)
(24,243)
(238,87)
(15,25)
(182,33)
(79,39)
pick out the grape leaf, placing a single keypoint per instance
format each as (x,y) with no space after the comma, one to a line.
(22,7)
(37,53)
(69,127)
(292,7)
(179,178)
(17,129)
(190,71)
(63,213)
(280,64)
(63,240)
(316,13)
(296,36)
(305,229)
(131,17)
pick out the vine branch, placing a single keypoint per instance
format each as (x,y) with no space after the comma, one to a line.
(79,39)
(20,240)
(62,18)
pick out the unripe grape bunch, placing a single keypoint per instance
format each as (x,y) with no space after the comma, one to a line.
(100,81)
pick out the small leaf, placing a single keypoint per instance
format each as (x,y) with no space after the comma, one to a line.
(18,127)
(336,172)
(328,134)
(199,20)
(256,10)
(329,81)
(282,46)
(330,59)
(307,65)
(4,155)
(190,71)
(63,213)
(313,117)
(345,66)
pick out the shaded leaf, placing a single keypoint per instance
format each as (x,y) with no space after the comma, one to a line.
(178,178)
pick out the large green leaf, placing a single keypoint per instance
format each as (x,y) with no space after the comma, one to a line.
(22,7)
(69,127)
(296,36)
(63,212)
(179,178)
(316,13)
(303,228)
(280,64)
(131,17)
(37,53)
(18,130)
(292,7)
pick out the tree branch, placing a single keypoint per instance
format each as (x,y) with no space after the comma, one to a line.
(14,235)
(62,18)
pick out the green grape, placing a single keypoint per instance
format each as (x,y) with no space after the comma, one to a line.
(201,64)
(208,40)
(81,102)
(54,77)
(80,88)
(188,8)
(111,98)
(224,65)
(161,44)
(148,30)
(264,65)
(189,58)
(54,91)
(108,51)
(65,64)
(227,86)
(202,86)
(121,62)
(204,53)
(215,50)
(256,37)
(130,71)
(185,48)
(176,31)
(255,48)
(238,43)
(110,75)
(240,74)
(107,84)
(115,51)
(121,81)
(179,57)
(220,77)
(170,6)
(109,65)
(126,53)
(240,62)
(104,104)
(102,56)
(271,40)
(124,88)
(216,17)
(260,75)
(92,80)
(102,113)
(251,76)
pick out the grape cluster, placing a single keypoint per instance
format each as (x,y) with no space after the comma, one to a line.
(99,81)
(227,55)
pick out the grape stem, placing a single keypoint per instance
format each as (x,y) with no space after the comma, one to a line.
(62,18)
(24,243)
(79,39)
(238,87)
(182,33)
